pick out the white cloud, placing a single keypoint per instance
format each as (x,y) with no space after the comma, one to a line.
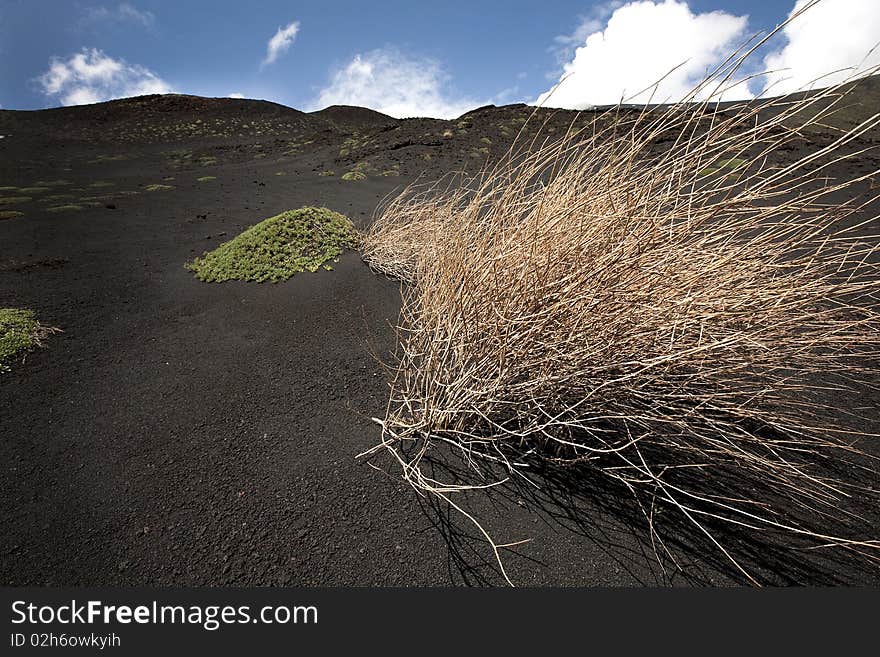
(507,96)
(641,43)
(828,37)
(90,76)
(394,84)
(280,43)
(565,45)
(236,94)
(122,13)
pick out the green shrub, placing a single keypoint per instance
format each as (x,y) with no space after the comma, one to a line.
(279,247)
(19,332)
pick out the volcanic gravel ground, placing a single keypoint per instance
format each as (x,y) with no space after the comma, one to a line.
(184,433)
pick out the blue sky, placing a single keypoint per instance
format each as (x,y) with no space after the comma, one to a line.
(430,58)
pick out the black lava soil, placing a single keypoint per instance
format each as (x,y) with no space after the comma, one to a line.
(183,433)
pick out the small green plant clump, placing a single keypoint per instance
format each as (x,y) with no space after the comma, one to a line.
(19,332)
(721,165)
(206,178)
(10,214)
(70,207)
(158,188)
(279,247)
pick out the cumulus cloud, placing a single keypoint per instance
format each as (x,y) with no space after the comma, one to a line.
(236,94)
(280,43)
(121,13)
(394,84)
(641,43)
(827,38)
(565,45)
(90,76)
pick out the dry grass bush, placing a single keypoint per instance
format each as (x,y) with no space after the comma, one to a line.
(650,296)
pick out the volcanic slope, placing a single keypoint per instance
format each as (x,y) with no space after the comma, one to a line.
(184,433)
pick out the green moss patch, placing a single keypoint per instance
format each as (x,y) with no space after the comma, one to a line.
(33,190)
(206,178)
(279,247)
(158,188)
(354,175)
(19,333)
(10,214)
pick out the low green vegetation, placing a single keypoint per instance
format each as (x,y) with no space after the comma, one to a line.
(14,200)
(108,158)
(70,207)
(206,178)
(354,142)
(19,333)
(354,175)
(101,183)
(10,214)
(722,165)
(158,188)
(178,158)
(51,183)
(33,190)
(279,247)
(8,189)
